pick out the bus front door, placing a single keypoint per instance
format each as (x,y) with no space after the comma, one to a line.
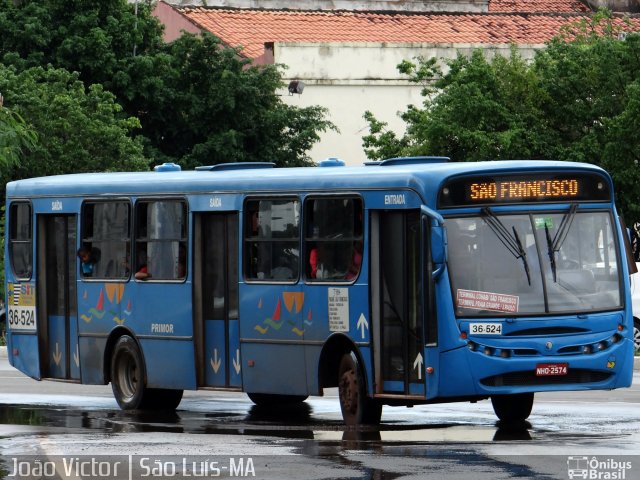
(57,302)
(396,282)
(216,300)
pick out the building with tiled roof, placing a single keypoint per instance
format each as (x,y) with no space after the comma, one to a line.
(347,57)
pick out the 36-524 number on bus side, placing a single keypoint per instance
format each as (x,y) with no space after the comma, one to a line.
(485,328)
(21,318)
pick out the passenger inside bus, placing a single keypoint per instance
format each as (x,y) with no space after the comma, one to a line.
(88,259)
(260,252)
(143,273)
(356,261)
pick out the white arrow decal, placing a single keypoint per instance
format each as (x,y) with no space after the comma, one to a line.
(362,324)
(418,363)
(57,356)
(76,357)
(236,362)
(215,361)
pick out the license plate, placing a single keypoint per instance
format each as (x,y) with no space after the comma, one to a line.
(485,328)
(551,369)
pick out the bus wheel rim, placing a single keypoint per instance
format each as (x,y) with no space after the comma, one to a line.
(127,376)
(349,391)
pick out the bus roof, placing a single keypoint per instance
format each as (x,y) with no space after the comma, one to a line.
(426,178)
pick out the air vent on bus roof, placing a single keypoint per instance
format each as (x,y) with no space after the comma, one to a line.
(407,161)
(331,162)
(236,166)
(167,167)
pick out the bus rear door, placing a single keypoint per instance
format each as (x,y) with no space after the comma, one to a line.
(216,300)
(56,301)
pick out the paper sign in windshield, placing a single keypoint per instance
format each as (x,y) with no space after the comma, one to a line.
(496,302)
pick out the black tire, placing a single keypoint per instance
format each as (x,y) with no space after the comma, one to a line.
(357,408)
(512,408)
(162,398)
(636,336)
(272,399)
(128,375)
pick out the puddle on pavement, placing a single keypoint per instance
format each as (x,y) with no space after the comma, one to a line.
(293,422)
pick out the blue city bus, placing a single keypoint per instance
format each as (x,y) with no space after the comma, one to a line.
(402,282)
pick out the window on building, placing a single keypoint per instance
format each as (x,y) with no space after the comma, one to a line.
(272,239)
(161,240)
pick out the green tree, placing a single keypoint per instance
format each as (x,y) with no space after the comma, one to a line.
(478,110)
(95,38)
(15,136)
(198,101)
(79,129)
(201,103)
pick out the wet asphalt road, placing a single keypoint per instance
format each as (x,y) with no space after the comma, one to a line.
(60,422)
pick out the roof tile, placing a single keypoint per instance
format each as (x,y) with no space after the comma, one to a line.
(253,28)
(538,6)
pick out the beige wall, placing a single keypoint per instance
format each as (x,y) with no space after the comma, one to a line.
(350,78)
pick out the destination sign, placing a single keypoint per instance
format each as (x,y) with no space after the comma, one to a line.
(524,189)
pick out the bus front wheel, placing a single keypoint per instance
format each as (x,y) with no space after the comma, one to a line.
(512,408)
(357,408)
(127,374)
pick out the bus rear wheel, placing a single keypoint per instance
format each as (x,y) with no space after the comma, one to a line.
(512,408)
(357,408)
(162,398)
(127,375)
(272,399)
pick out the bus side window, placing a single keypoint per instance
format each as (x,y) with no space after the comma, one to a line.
(333,241)
(106,235)
(271,239)
(21,240)
(161,240)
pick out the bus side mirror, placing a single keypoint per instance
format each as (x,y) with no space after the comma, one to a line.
(434,224)
(438,243)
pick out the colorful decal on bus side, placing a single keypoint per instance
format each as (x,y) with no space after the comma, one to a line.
(115,293)
(276,322)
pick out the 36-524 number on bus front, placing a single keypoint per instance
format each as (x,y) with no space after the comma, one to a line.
(485,328)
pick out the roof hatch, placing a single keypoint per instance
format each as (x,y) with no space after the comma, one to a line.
(236,166)
(407,161)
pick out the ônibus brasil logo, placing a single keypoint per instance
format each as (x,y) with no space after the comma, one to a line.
(597,469)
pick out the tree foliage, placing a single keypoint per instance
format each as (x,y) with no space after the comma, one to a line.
(202,103)
(79,129)
(578,100)
(198,101)
(15,136)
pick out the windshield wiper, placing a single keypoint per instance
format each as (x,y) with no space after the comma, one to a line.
(563,229)
(512,243)
(554,245)
(550,252)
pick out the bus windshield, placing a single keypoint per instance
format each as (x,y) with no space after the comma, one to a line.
(533,263)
